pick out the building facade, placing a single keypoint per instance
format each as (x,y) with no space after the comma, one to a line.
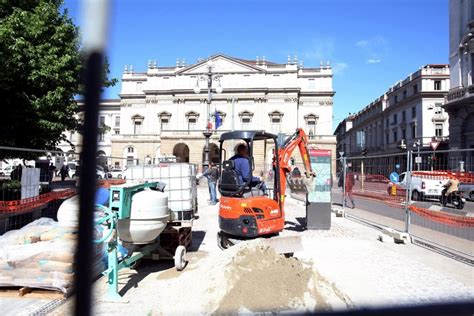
(460,99)
(160,114)
(410,113)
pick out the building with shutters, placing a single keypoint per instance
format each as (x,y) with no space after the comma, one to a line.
(408,113)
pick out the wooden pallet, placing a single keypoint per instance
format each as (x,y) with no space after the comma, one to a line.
(28,292)
(172,237)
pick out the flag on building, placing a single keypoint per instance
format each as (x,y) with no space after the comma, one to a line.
(218,119)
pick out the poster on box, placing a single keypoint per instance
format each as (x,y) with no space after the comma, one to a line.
(30,182)
(320,190)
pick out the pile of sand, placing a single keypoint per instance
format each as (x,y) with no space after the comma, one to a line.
(259,279)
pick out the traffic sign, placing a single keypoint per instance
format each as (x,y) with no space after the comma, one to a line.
(417,159)
(394,177)
(434,144)
(397,166)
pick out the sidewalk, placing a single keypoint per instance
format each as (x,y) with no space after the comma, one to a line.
(350,269)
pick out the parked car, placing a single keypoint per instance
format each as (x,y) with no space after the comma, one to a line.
(6,171)
(467,189)
(421,186)
(116,173)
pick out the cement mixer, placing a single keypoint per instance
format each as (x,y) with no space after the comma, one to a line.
(138,217)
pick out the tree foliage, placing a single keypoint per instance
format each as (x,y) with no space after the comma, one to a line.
(40,74)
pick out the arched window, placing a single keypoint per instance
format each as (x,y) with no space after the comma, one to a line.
(130,150)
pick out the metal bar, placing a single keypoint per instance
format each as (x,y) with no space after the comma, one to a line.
(94,41)
(408,192)
(344,171)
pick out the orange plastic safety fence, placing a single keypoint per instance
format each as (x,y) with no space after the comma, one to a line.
(108,183)
(33,202)
(443,218)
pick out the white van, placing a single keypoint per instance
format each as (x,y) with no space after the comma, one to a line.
(422,186)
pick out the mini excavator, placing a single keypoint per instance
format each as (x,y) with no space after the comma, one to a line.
(245,210)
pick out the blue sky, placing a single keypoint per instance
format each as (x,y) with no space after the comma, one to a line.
(371,44)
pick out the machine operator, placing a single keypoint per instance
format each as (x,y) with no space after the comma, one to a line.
(243,169)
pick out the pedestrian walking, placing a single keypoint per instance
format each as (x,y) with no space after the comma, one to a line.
(64,171)
(212,175)
(52,170)
(348,187)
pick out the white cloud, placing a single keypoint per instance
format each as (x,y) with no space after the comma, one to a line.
(373,48)
(339,67)
(362,43)
(373,61)
(323,50)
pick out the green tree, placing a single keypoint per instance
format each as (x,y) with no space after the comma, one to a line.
(40,74)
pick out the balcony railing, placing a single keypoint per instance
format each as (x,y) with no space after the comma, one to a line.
(461,92)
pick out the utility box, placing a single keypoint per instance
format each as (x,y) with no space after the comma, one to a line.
(318,199)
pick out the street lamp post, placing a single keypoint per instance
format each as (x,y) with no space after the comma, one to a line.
(209,77)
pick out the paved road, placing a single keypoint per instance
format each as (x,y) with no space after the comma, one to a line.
(398,213)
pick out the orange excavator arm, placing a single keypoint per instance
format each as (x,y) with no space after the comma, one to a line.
(298,139)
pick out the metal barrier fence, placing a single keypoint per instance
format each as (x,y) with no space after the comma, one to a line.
(31,186)
(430,195)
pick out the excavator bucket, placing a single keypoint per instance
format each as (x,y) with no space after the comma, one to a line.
(286,245)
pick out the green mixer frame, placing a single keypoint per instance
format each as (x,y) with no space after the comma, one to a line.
(120,203)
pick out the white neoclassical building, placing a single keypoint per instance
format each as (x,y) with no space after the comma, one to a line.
(159,112)
(410,111)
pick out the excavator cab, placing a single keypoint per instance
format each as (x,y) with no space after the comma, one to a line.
(247,209)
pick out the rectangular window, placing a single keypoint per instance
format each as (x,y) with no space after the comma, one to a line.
(395,119)
(387,122)
(164,122)
(404,134)
(117,132)
(439,130)
(437,85)
(311,127)
(246,122)
(192,123)
(413,112)
(396,98)
(395,136)
(405,94)
(117,121)
(101,120)
(386,139)
(276,124)
(404,116)
(438,108)
(137,127)
(101,137)
(413,131)
(415,89)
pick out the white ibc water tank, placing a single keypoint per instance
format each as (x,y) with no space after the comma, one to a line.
(148,218)
(68,212)
(180,180)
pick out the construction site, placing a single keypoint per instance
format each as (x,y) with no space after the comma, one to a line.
(161,246)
